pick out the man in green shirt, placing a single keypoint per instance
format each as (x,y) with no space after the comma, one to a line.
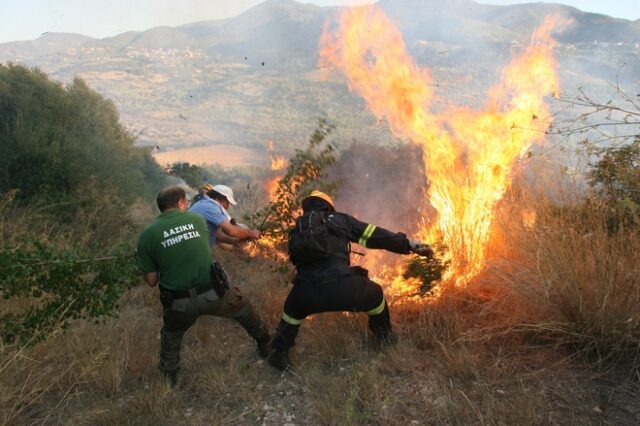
(174,252)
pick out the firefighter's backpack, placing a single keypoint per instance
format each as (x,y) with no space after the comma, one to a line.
(309,240)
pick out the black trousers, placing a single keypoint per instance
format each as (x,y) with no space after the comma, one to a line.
(353,293)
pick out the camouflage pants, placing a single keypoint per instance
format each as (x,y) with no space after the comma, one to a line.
(183,313)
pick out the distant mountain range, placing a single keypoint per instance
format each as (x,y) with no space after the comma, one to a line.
(253,78)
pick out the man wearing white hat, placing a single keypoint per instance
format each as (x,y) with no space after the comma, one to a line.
(205,188)
(213,206)
(173,253)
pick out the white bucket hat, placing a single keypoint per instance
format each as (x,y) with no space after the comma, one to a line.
(226,191)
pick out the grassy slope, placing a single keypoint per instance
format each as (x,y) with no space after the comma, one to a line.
(504,351)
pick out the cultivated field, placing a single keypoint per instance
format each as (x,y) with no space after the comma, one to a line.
(223,155)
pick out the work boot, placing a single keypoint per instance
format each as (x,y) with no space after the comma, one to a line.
(172,377)
(380,342)
(279,360)
(264,346)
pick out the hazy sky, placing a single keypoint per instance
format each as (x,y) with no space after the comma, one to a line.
(28,19)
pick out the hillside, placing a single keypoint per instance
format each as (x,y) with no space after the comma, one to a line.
(545,332)
(253,78)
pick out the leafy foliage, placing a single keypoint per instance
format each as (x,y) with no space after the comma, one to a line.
(616,178)
(429,271)
(616,173)
(59,286)
(70,179)
(192,174)
(55,139)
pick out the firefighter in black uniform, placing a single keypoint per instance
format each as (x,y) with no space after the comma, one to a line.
(330,284)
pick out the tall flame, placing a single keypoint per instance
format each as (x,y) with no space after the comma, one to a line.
(468,154)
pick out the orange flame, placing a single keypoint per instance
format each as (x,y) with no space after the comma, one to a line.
(529,218)
(267,246)
(468,154)
(277,164)
(271,186)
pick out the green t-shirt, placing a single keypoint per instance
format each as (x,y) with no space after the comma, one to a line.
(176,246)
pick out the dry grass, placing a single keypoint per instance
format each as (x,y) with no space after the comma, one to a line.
(504,351)
(576,284)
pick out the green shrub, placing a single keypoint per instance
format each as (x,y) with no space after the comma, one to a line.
(52,287)
(615,176)
(193,175)
(54,140)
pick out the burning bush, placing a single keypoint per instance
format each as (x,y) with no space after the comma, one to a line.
(306,170)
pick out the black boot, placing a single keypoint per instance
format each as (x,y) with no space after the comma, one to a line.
(172,378)
(251,322)
(279,360)
(380,325)
(264,346)
(381,341)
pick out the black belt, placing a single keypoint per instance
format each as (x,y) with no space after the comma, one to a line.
(183,294)
(322,275)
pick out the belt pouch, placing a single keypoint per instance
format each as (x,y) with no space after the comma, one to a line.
(219,279)
(360,271)
(166,298)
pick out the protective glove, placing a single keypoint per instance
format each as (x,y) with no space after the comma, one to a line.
(421,249)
